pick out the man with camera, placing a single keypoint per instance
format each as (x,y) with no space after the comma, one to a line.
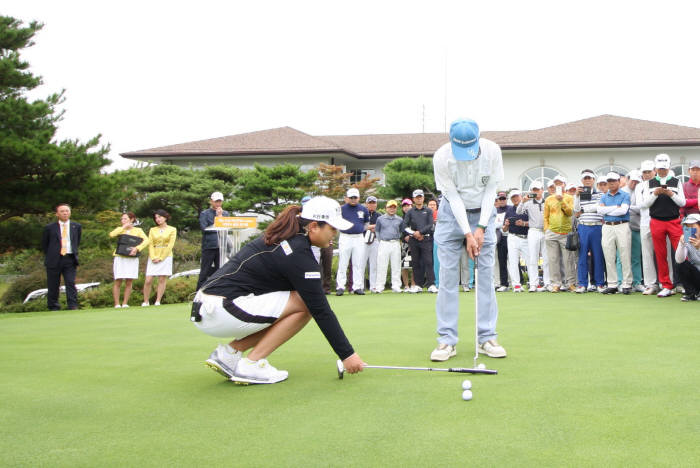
(616,235)
(558,209)
(664,197)
(533,206)
(590,230)
(516,225)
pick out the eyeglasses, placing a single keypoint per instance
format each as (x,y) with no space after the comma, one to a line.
(502,198)
(353,198)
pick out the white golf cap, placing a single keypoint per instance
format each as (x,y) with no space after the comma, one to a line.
(418,193)
(569,187)
(602,179)
(612,176)
(585,174)
(647,165)
(692,219)
(550,183)
(536,185)
(635,174)
(560,178)
(662,161)
(514,192)
(353,192)
(327,210)
(216,196)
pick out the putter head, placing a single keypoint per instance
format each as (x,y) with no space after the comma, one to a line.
(341,369)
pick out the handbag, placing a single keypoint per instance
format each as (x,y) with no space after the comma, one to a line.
(572,241)
(369,236)
(125,243)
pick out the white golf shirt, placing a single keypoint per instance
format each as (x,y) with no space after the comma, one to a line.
(469,185)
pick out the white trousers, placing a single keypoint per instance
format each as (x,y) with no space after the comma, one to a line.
(371,252)
(617,238)
(536,248)
(351,246)
(517,249)
(388,252)
(648,265)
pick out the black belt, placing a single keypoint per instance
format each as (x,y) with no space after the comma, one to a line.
(473,210)
(615,223)
(522,236)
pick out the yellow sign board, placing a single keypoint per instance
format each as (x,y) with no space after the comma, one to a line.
(236,222)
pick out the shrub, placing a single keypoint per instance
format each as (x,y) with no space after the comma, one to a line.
(23,285)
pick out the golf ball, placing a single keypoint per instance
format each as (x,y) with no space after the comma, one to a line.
(481,366)
(467,385)
(467,395)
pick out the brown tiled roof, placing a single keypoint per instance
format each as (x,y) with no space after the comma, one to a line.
(604,131)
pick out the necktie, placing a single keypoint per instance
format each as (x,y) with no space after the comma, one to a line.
(64,237)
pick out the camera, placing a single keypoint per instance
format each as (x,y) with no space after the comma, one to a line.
(585,194)
(664,186)
(531,195)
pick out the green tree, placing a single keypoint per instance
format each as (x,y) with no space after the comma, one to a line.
(268,190)
(36,171)
(183,192)
(404,175)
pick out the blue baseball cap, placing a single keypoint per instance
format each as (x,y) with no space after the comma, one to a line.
(464,136)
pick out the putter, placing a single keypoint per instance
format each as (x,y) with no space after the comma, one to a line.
(476,309)
(461,370)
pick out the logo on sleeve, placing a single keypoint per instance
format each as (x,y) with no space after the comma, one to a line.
(312,275)
(286,247)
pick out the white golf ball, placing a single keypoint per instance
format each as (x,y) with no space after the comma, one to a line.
(481,366)
(467,385)
(467,395)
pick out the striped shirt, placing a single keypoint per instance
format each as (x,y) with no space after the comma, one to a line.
(589,209)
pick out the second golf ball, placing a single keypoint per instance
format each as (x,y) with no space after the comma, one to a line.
(481,366)
(467,385)
(467,395)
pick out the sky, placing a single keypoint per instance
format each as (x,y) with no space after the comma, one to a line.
(151,73)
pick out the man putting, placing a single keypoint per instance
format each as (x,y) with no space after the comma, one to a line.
(467,170)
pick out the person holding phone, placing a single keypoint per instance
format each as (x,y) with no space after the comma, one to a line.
(558,209)
(688,259)
(534,207)
(590,225)
(664,197)
(516,225)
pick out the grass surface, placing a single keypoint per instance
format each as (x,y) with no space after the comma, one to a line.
(589,381)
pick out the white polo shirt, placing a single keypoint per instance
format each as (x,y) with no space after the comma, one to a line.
(469,184)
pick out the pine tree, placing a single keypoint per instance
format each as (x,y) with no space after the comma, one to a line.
(36,171)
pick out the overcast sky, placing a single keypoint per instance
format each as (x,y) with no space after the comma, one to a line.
(150,73)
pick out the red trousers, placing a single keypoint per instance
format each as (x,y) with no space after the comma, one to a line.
(659,230)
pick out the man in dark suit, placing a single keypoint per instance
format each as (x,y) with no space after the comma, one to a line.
(60,242)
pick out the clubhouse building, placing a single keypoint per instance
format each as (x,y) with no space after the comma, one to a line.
(602,143)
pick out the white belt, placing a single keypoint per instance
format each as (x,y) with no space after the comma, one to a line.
(392,240)
(536,229)
(351,235)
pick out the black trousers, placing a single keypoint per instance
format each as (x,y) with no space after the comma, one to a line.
(326,267)
(422,261)
(67,269)
(689,277)
(502,249)
(210,263)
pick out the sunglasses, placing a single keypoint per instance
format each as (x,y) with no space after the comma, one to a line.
(351,198)
(502,198)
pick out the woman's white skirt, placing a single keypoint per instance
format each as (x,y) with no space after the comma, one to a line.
(126,267)
(164,268)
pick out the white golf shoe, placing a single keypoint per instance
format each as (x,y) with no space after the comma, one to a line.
(257,372)
(443,352)
(491,348)
(665,292)
(223,362)
(432,289)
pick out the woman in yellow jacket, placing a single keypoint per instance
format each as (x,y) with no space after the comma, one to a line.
(160,255)
(126,268)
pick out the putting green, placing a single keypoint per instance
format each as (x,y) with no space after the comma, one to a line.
(590,380)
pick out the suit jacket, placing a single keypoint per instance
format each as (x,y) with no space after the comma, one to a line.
(51,242)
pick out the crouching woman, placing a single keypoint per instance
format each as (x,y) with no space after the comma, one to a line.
(269,291)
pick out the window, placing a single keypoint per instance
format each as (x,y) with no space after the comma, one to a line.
(603,170)
(543,174)
(359,174)
(681,172)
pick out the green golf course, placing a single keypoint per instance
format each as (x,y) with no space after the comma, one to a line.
(589,380)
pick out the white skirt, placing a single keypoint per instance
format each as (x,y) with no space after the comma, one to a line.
(164,268)
(126,267)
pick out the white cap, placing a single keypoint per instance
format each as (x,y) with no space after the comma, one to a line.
(418,193)
(612,176)
(550,183)
(569,187)
(560,178)
(692,219)
(635,174)
(587,174)
(662,161)
(353,192)
(217,196)
(536,184)
(514,192)
(602,179)
(647,165)
(327,210)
